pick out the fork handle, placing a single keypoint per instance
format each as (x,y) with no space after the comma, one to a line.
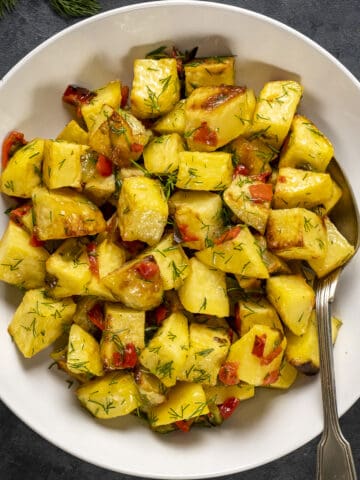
(334,456)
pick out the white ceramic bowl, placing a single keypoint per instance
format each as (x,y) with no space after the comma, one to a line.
(103,48)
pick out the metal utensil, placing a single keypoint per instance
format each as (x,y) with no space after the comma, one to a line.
(334,456)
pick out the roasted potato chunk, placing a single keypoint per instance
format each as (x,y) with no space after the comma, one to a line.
(65,213)
(21,263)
(204,290)
(156,87)
(296,234)
(306,147)
(83,353)
(172,122)
(274,111)
(109,94)
(39,320)
(137,284)
(142,210)
(161,155)
(209,71)
(197,216)
(216,115)
(24,164)
(165,354)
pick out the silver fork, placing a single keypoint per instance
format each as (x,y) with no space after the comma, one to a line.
(334,456)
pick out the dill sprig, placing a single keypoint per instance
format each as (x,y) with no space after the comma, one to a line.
(78,8)
(6,6)
(64,8)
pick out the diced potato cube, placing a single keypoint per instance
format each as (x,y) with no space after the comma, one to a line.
(220,393)
(109,94)
(204,171)
(306,147)
(39,320)
(69,266)
(204,290)
(24,164)
(113,395)
(209,71)
(274,111)
(256,311)
(128,137)
(161,155)
(216,115)
(172,262)
(293,299)
(208,350)
(137,284)
(258,355)
(338,252)
(156,87)
(65,213)
(301,188)
(62,165)
(73,133)
(253,154)
(97,187)
(152,390)
(21,263)
(330,202)
(110,257)
(235,252)
(185,401)
(303,351)
(172,122)
(142,210)
(273,263)
(165,354)
(83,354)
(296,234)
(99,132)
(287,376)
(124,329)
(249,199)
(197,216)
(82,315)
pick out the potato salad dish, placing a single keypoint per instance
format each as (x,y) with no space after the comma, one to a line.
(168,239)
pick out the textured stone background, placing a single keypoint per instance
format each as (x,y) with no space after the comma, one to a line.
(334,24)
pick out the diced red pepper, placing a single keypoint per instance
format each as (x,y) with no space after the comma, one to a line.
(240,170)
(19,212)
(11,142)
(205,135)
(261,192)
(147,269)
(228,407)
(185,234)
(77,96)
(35,242)
(124,96)
(127,358)
(228,235)
(160,314)
(259,345)
(104,166)
(96,316)
(271,377)
(184,425)
(262,177)
(228,373)
(92,256)
(271,356)
(136,147)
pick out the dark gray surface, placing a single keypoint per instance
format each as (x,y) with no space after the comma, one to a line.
(334,24)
